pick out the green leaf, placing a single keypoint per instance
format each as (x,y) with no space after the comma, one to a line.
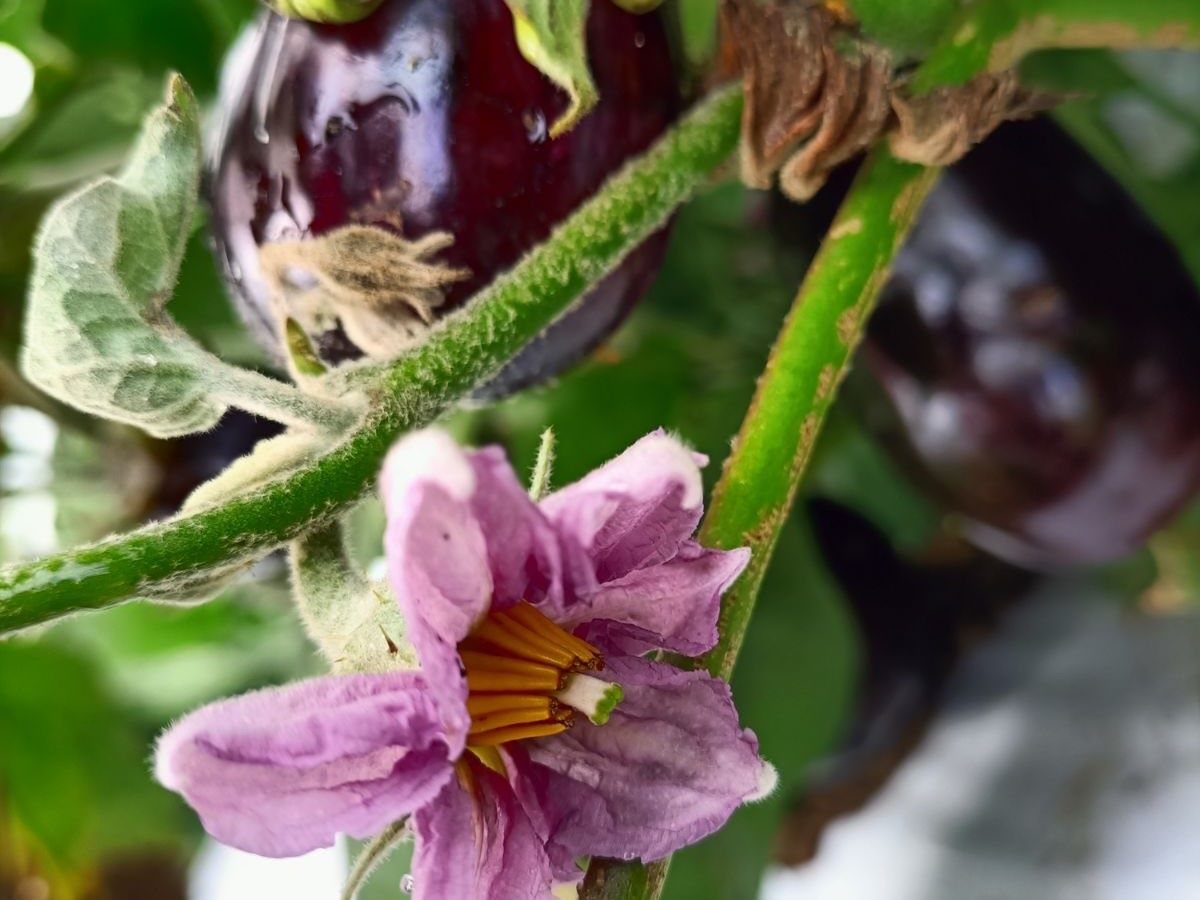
(851,467)
(96,334)
(909,27)
(163,661)
(73,769)
(552,35)
(187,36)
(334,11)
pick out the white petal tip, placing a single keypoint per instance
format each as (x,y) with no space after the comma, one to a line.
(768,780)
(675,459)
(430,455)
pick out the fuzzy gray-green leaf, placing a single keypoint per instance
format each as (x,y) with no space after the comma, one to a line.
(96,333)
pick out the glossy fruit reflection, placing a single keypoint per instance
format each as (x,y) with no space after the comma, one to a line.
(1038,344)
(425,117)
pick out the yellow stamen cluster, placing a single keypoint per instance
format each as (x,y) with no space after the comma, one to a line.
(516,661)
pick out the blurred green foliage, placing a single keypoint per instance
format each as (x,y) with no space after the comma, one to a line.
(72,763)
(80,704)
(1139,114)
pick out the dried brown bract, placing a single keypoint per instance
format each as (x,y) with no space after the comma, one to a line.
(938,128)
(816,95)
(380,288)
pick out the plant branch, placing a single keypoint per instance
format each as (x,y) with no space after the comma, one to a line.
(462,352)
(284,403)
(997,34)
(811,355)
(372,856)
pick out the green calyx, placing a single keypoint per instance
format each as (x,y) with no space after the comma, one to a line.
(552,36)
(333,12)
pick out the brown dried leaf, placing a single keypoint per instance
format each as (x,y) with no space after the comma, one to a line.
(381,288)
(938,128)
(816,95)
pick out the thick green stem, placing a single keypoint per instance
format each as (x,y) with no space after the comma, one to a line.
(465,350)
(811,355)
(997,34)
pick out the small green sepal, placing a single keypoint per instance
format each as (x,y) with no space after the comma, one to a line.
(552,36)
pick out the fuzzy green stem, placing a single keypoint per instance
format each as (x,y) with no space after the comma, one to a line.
(543,467)
(372,856)
(462,352)
(811,355)
(280,402)
(327,587)
(356,622)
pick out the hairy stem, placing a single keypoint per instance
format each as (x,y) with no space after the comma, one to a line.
(327,586)
(283,403)
(372,856)
(811,355)
(543,468)
(762,475)
(462,351)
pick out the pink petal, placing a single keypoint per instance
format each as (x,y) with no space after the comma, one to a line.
(633,512)
(436,549)
(478,844)
(280,772)
(669,768)
(463,538)
(672,606)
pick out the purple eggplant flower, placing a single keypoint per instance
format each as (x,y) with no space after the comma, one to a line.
(535,733)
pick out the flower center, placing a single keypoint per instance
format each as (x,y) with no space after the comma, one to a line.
(528,678)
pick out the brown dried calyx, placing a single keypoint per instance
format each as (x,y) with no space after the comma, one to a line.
(381,289)
(818,94)
(939,128)
(815,95)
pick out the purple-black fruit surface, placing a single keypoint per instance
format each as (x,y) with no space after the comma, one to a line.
(1038,342)
(425,117)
